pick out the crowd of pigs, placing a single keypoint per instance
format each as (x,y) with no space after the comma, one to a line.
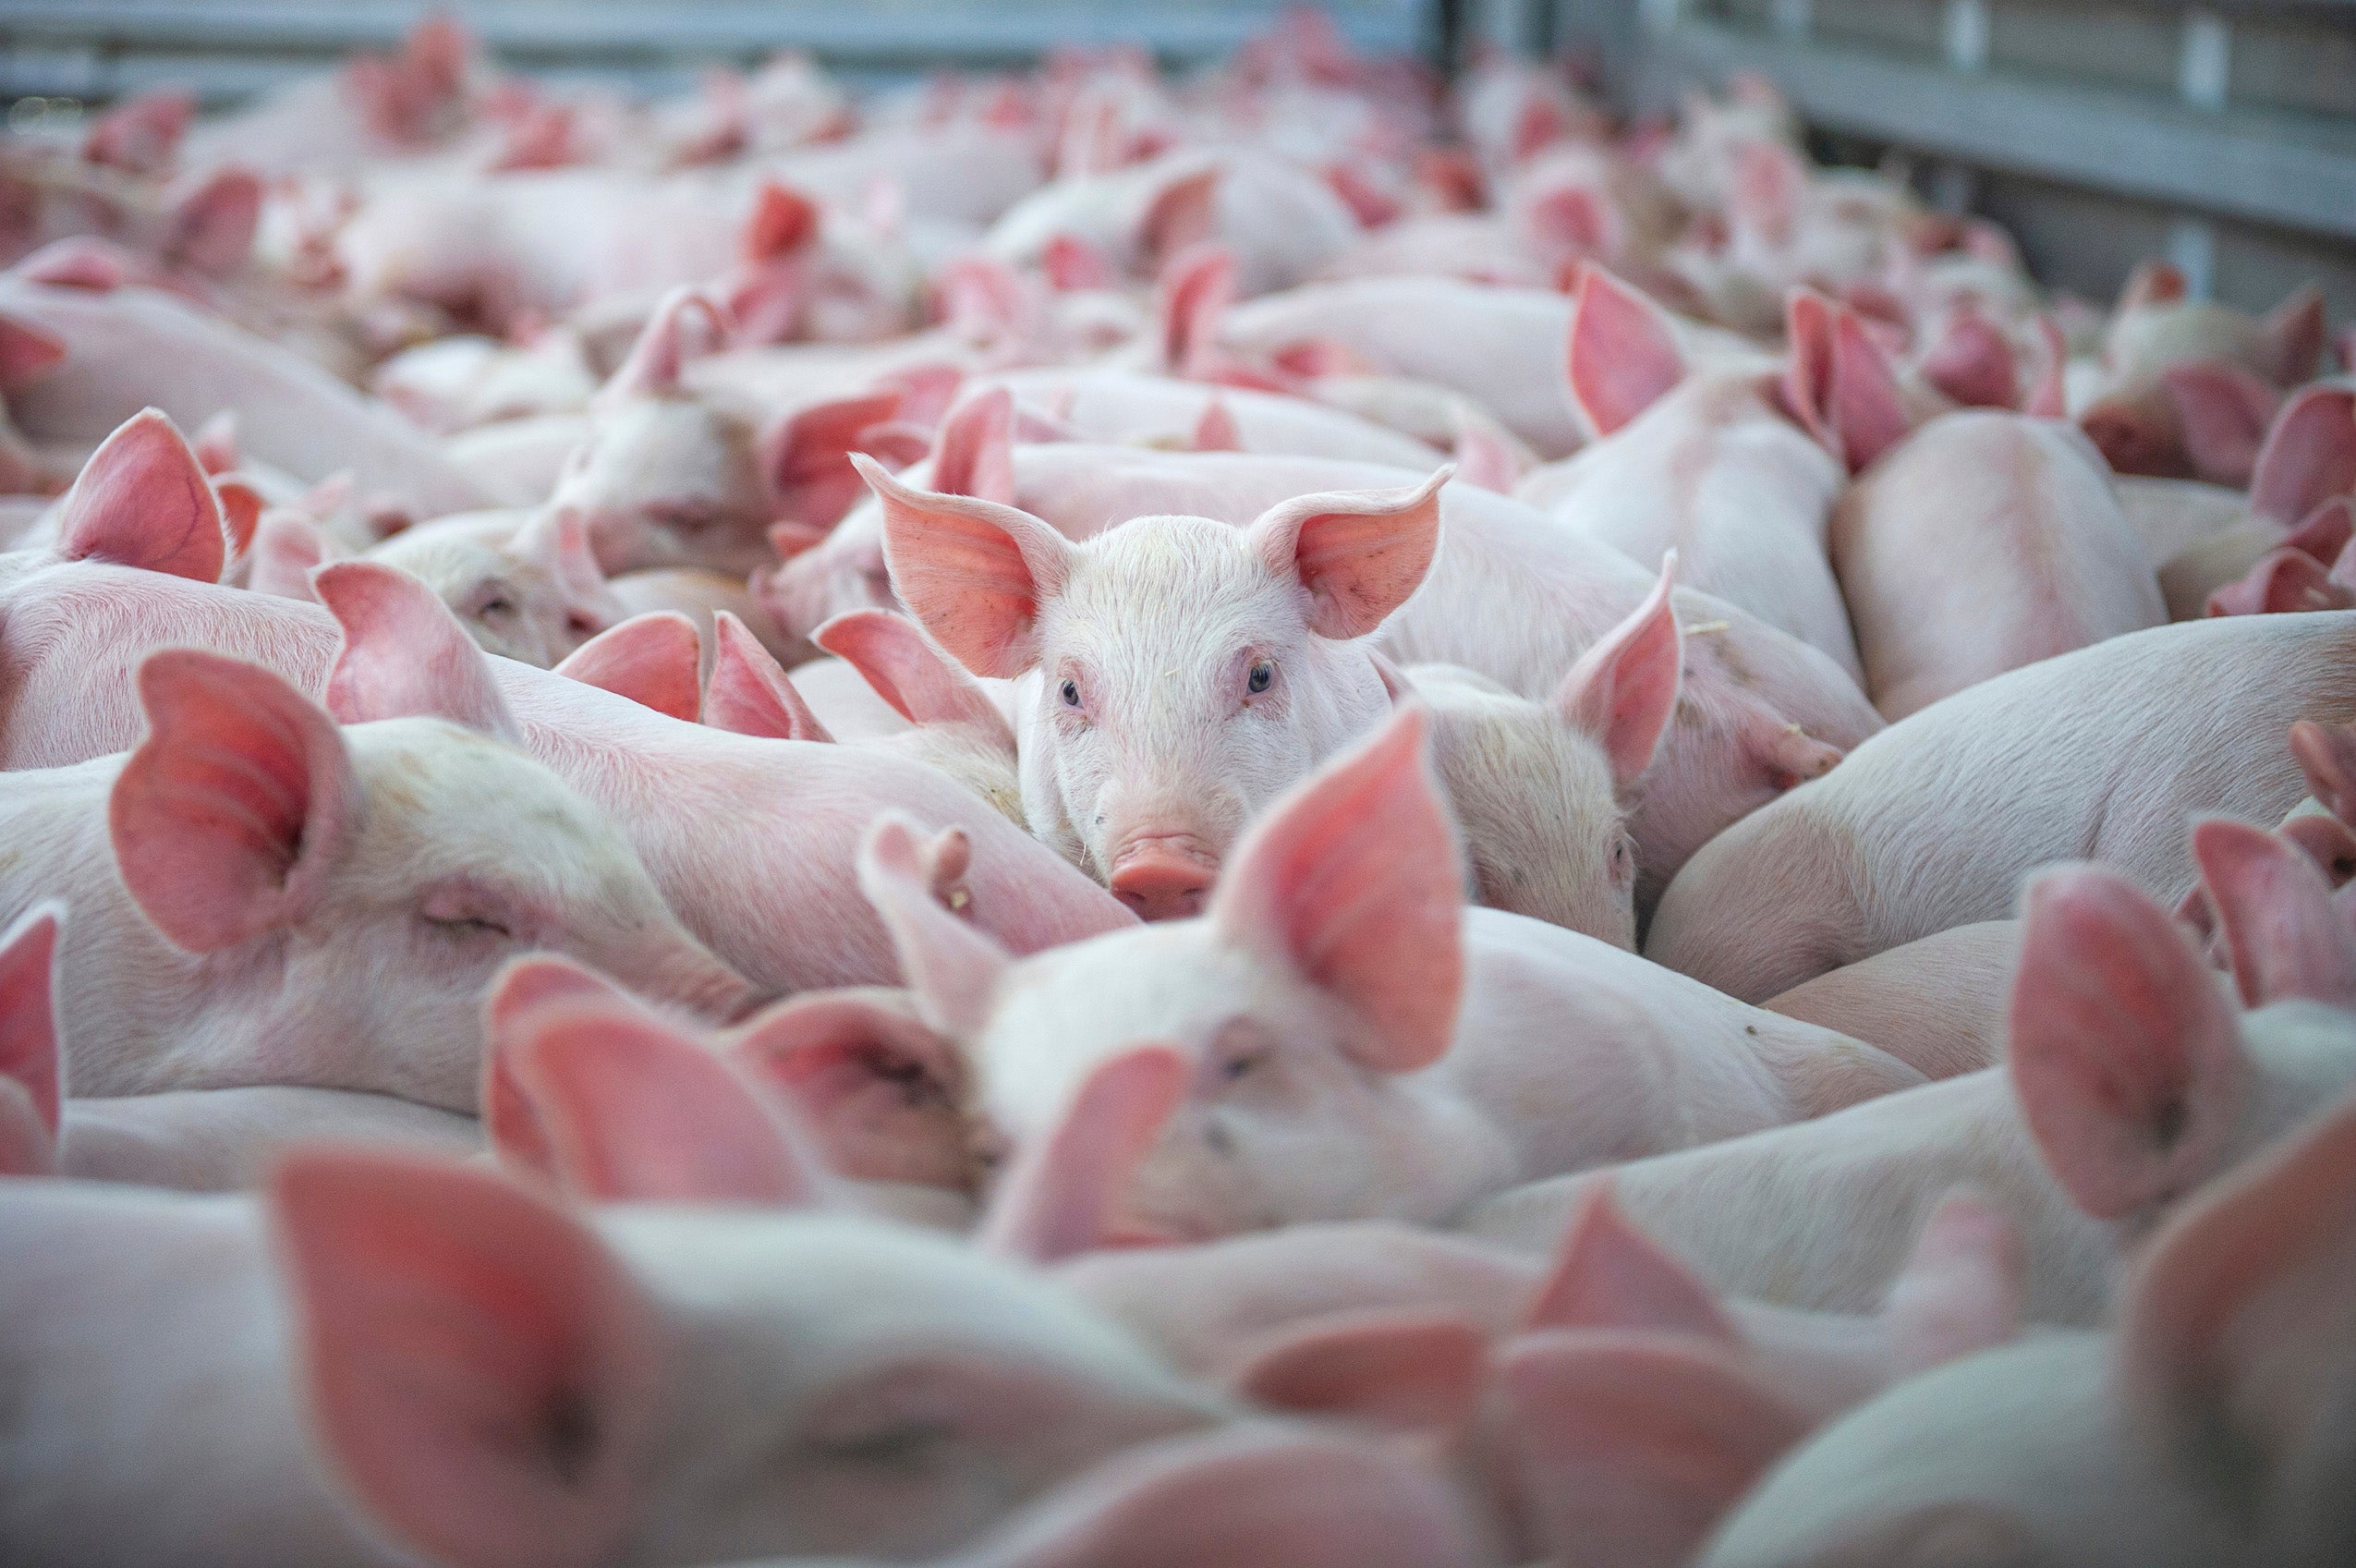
(1090,821)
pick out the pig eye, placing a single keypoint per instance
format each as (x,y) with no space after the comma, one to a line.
(1258,681)
(470,926)
(1070,694)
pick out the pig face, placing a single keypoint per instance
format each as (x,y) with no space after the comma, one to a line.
(1185,671)
(680,1385)
(668,481)
(1326,973)
(390,869)
(534,595)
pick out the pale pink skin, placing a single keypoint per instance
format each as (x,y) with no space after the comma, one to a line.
(2130,1079)
(698,594)
(2221,1348)
(1366,1093)
(1717,472)
(1936,1004)
(772,1366)
(455,853)
(2103,751)
(1476,247)
(1500,346)
(131,348)
(525,586)
(1510,596)
(1122,406)
(785,913)
(225,1139)
(1984,542)
(1280,220)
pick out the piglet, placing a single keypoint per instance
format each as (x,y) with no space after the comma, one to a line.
(1361,1045)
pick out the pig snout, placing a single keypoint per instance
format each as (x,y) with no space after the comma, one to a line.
(1163,876)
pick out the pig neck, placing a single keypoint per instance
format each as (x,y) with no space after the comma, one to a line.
(138,1014)
(151,1413)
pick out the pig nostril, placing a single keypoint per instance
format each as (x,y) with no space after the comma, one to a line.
(1160,884)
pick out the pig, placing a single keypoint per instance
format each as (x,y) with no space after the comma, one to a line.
(130,347)
(2187,1434)
(701,595)
(1709,463)
(1984,542)
(1145,783)
(1938,1002)
(781,908)
(2308,463)
(1759,712)
(1354,1043)
(667,477)
(2157,328)
(1111,405)
(259,852)
(458,383)
(2130,1079)
(1542,793)
(1928,825)
(952,724)
(1281,222)
(525,586)
(723,1386)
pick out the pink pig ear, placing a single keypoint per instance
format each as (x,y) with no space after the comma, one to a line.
(481,1370)
(213,226)
(2239,1333)
(216,442)
(1181,215)
(1354,878)
(636,1112)
(2293,333)
(922,684)
(2309,455)
(2326,754)
(1623,691)
(2276,908)
(144,499)
(806,456)
(1193,298)
(288,547)
(2223,412)
(652,658)
(1626,1448)
(27,352)
(1215,431)
(1359,553)
(1623,359)
(1483,458)
(2284,582)
(1411,1372)
(1837,383)
(1062,1195)
(653,367)
(783,223)
(880,1089)
(974,452)
(974,573)
(511,1120)
(951,967)
(749,693)
(1972,363)
(404,654)
(1250,1494)
(2152,283)
(226,817)
(1609,1274)
(2126,1059)
(1771,182)
(1963,1288)
(29,1050)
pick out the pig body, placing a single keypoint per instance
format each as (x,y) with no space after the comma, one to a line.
(1503,347)
(1714,471)
(222,1140)
(1935,1003)
(1122,405)
(2100,752)
(129,348)
(1981,543)
(225,1395)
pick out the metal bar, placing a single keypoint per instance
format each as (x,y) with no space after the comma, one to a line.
(2290,171)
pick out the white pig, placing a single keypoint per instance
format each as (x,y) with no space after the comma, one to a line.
(1356,1042)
